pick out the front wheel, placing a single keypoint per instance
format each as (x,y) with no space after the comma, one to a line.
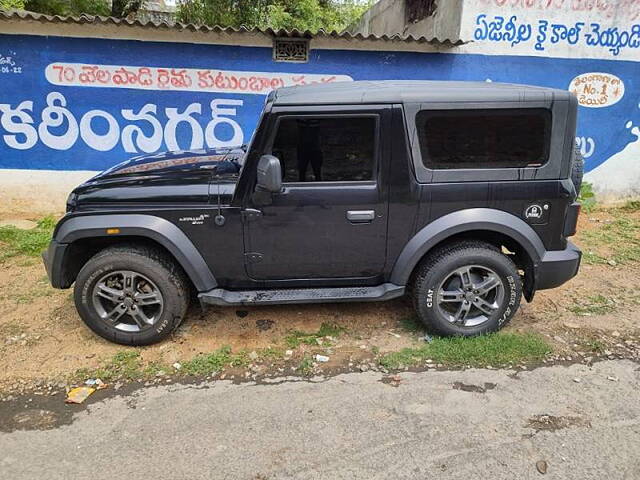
(468,289)
(131,295)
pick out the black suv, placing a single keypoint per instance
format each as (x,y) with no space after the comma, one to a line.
(460,194)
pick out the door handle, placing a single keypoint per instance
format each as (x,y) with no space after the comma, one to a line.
(361,216)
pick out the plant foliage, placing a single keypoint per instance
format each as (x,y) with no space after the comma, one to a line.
(74,8)
(587,197)
(493,349)
(310,15)
(17,241)
(9,4)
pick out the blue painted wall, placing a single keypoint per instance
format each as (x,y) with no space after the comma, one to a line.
(24,60)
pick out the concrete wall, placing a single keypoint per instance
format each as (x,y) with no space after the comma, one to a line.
(388,17)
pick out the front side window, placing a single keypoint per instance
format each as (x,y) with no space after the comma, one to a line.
(326,149)
(504,138)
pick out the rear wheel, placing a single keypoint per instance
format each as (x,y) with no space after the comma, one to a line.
(467,289)
(131,295)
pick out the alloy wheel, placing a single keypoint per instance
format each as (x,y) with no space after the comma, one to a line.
(127,300)
(469,295)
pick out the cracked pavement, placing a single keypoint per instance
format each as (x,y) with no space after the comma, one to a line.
(582,422)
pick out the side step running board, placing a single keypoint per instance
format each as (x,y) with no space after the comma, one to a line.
(219,296)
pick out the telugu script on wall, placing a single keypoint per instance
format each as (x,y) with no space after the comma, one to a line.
(179,79)
(606,29)
(145,130)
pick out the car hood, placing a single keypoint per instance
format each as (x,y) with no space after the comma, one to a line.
(214,161)
(184,176)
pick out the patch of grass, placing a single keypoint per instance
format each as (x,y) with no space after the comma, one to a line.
(587,197)
(155,368)
(595,345)
(330,330)
(216,361)
(593,305)
(26,242)
(631,206)
(621,237)
(494,349)
(206,364)
(297,338)
(306,366)
(271,353)
(241,359)
(591,258)
(410,323)
(125,364)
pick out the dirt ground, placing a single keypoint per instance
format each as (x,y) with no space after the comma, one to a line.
(42,339)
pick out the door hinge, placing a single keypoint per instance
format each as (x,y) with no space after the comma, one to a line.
(253,257)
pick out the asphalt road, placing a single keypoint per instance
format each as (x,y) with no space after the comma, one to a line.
(584,422)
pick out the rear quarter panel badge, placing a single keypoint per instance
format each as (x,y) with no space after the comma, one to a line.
(537,213)
(533,212)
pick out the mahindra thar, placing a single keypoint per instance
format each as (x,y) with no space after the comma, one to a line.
(459,194)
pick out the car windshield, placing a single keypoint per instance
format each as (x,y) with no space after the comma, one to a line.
(247,147)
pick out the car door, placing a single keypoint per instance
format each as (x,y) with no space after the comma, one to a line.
(330,220)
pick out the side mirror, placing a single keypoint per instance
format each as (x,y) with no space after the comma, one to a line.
(269,175)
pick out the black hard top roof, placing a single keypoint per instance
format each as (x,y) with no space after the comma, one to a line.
(413,91)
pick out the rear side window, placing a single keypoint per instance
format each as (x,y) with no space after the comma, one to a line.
(505,138)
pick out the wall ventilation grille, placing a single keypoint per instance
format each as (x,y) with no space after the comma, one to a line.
(291,50)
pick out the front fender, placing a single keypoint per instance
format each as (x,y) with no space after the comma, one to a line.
(149,226)
(486,219)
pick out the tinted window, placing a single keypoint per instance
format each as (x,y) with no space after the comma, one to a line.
(484,138)
(327,149)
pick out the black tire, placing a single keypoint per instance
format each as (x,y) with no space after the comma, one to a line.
(577,170)
(439,270)
(155,272)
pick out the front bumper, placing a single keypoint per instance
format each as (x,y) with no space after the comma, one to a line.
(53,259)
(557,267)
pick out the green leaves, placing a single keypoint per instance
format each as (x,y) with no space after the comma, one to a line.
(303,15)
(587,197)
(74,8)
(9,4)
